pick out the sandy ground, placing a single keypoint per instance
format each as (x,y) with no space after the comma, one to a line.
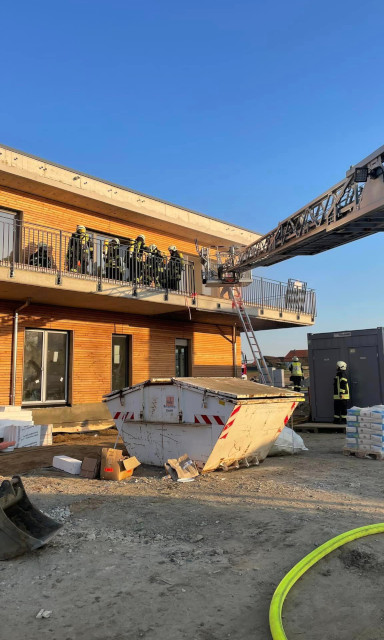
(149,558)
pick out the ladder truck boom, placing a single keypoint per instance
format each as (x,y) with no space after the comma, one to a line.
(351,209)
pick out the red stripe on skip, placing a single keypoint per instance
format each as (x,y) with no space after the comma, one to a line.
(223,437)
(196,420)
(218,420)
(206,419)
(116,415)
(236,409)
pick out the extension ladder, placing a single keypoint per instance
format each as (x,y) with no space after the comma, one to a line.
(258,358)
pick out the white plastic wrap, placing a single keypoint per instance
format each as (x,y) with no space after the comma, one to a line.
(287,442)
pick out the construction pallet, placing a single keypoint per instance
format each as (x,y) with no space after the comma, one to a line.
(316,427)
(363,454)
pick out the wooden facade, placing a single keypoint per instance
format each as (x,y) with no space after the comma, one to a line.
(152,339)
(90,359)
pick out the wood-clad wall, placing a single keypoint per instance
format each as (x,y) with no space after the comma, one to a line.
(153,347)
(42,211)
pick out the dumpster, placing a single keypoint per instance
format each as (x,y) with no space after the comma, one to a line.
(216,421)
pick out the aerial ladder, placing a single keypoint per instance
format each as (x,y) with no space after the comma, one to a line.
(351,209)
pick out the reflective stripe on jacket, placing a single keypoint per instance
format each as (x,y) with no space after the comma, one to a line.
(340,386)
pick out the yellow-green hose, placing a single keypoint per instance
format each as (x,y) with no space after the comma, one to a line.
(275,610)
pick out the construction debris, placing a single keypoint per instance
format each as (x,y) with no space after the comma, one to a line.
(65,463)
(182,470)
(116,466)
(90,468)
(43,613)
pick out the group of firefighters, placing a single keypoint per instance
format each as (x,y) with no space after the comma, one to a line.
(340,388)
(131,262)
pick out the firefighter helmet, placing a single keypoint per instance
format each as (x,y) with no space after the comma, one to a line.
(152,247)
(341,365)
(295,359)
(115,241)
(80,228)
(140,237)
(172,248)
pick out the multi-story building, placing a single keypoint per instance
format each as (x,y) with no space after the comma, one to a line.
(75,324)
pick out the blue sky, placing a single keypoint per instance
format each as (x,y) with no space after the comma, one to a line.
(242,110)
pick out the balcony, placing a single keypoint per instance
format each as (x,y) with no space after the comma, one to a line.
(54,267)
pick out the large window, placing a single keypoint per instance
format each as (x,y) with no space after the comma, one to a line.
(8,235)
(182,358)
(45,378)
(120,361)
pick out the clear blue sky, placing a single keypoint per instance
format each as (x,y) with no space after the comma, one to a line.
(242,110)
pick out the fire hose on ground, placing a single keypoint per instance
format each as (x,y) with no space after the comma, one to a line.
(276,607)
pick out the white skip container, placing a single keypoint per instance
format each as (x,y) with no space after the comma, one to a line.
(216,421)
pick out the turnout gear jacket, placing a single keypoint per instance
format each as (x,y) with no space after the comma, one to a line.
(340,386)
(296,370)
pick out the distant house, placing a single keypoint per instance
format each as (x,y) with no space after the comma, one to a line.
(302,354)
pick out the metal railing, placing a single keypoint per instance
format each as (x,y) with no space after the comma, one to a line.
(37,248)
(271,294)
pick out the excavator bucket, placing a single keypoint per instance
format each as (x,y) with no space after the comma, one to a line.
(22,526)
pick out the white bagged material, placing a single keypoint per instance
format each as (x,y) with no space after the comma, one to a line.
(287,442)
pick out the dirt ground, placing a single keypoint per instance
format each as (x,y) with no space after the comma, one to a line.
(149,558)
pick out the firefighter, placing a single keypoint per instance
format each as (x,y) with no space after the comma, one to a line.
(140,251)
(40,257)
(158,266)
(340,394)
(175,267)
(296,373)
(80,251)
(104,255)
(114,263)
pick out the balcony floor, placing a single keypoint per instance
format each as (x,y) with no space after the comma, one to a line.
(79,292)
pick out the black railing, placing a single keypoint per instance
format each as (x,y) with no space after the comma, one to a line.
(34,247)
(39,248)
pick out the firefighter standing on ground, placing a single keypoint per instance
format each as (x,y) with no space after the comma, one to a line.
(340,394)
(296,373)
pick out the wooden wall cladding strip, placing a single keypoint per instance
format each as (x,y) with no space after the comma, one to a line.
(37,210)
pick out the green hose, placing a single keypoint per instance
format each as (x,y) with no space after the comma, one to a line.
(275,610)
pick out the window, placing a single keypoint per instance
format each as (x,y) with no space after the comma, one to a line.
(182,358)
(8,235)
(45,376)
(120,361)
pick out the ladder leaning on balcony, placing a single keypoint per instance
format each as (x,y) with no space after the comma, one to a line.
(258,358)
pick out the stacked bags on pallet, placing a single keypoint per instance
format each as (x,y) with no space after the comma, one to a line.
(365,429)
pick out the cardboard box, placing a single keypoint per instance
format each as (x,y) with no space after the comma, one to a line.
(182,469)
(90,468)
(115,466)
(65,463)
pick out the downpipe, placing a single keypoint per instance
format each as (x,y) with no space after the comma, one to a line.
(12,397)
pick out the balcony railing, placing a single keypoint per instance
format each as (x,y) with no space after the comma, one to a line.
(37,248)
(291,296)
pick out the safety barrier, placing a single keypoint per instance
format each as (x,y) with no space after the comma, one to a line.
(37,248)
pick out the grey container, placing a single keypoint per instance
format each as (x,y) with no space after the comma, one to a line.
(363,351)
